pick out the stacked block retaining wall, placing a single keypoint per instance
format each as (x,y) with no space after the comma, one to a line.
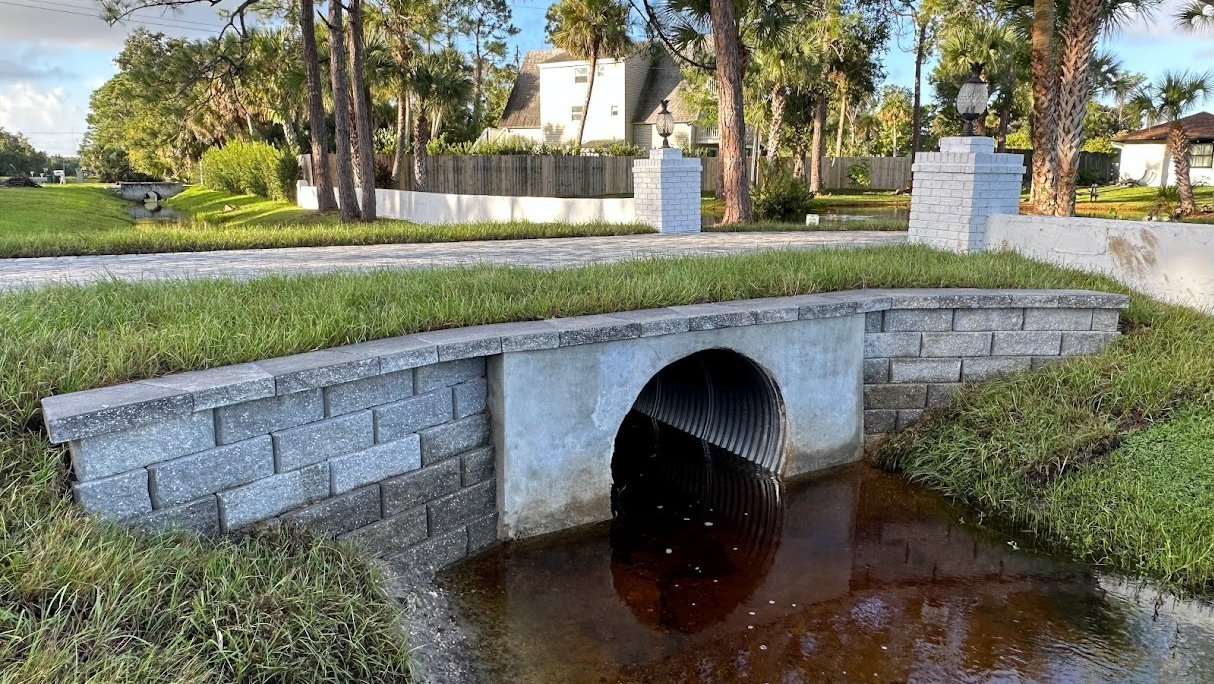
(389,443)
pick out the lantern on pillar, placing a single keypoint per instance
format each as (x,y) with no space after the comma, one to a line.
(971,99)
(665,124)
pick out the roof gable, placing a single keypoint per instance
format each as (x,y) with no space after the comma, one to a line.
(1197,126)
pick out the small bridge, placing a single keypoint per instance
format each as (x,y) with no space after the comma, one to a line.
(148,192)
(429,447)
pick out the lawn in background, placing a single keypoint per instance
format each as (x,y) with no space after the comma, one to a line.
(1134,203)
(1103,457)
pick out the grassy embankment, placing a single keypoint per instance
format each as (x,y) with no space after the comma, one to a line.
(81,219)
(1134,203)
(1104,456)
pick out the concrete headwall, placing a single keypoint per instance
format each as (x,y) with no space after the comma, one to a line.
(428,447)
(137,191)
(1172,261)
(438,208)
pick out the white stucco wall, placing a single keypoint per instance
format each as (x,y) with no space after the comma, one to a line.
(559,93)
(1151,163)
(1172,261)
(438,208)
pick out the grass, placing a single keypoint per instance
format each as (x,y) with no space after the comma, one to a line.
(78,220)
(1135,203)
(83,600)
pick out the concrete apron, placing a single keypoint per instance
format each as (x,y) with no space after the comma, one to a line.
(556,412)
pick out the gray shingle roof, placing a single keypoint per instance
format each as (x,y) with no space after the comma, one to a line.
(663,82)
(523,107)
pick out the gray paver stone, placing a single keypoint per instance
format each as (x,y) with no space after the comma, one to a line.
(271,496)
(340,514)
(377,463)
(592,329)
(463,343)
(200,516)
(715,316)
(906,417)
(221,386)
(427,378)
(391,535)
(263,416)
(317,369)
(528,336)
(373,391)
(395,353)
(315,442)
(109,409)
(418,487)
(118,452)
(1106,319)
(117,497)
(189,477)
(395,421)
(655,322)
(872,321)
(454,438)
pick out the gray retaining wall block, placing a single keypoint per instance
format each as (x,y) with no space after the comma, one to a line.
(263,416)
(117,497)
(189,477)
(464,343)
(1106,319)
(340,514)
(918,320)
(393,534)
(1027,343)
(478,465)
(1076,343)
(272,496)
(463,506)
(956,344)
(454,438)
(876,371)
(377,463)
(482,532)
(988,319)
(975,370)
(200,516)
(895,396)
(118,452)
(221,386)
(395,421)
(427,378)
(1058,319)
(315,442)
(471,397)
(880,421)
(373,391)
(317,369)
(434,553)
(893,345)
(925,370)
(111,409)
(418,487)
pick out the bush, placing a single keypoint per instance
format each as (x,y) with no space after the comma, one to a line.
(782,198)
(251,169)
(1168,193)
(857,174)
(1090,177)
(114,166)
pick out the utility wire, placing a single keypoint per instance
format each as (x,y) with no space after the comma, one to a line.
(95,16)
(139,17)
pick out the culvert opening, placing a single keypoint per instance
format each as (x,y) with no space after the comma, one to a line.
(696,501)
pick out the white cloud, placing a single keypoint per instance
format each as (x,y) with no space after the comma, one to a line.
(78,24)
(47,117)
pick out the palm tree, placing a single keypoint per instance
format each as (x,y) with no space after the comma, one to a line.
(1045,92)
(316,109)
(992,43)
(1196,17)
(1167,100)
(589,29)
(441,81)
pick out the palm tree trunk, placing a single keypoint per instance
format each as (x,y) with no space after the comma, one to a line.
(980,125)
(1005,120)
(730,121)
(1178,145)
(421,132)
(347,199)
(1074,88)
(842,118)
(316,109)
(362,112)
(817,145)
(798,159)
(581,125)
(402,141)
(1044,189)
(779,96)
(916,110)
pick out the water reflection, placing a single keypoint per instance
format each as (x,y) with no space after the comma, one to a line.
(854,576)
(151,211)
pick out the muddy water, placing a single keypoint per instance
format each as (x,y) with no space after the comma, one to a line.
(712,572)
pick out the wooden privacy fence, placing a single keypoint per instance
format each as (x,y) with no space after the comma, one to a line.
(568,176)
(1104,168)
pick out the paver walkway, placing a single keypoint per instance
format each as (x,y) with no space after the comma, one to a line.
(543,253)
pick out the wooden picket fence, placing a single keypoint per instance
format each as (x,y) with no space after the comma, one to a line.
(567,176)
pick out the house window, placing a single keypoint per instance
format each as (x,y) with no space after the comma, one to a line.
(1201,155)
(575,113)
(581,74)
(615,110)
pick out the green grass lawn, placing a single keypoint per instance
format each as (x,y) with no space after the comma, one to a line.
(1134,203)
(82,219)
(1103,457)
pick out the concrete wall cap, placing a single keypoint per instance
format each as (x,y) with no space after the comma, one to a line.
(111,409)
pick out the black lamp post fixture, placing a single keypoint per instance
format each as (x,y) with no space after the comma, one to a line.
(971,99)
(665,124)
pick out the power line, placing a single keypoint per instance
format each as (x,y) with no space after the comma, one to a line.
(165,18)
(94,16)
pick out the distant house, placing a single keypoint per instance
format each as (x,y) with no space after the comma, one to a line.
(550,92)
(1145,157)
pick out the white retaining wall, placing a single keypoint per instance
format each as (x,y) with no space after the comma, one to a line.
(1172,261)
(437,208)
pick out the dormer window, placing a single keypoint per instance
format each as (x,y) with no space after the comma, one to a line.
(581,74)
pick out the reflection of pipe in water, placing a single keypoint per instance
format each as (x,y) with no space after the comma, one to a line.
(696,528)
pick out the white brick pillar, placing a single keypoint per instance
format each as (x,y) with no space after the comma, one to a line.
(957,188)
(667,191)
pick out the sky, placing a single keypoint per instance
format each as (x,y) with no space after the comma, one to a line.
(54,53)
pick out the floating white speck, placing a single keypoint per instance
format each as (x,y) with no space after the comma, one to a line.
(661,507)
(750,626)
(707,524)
(669,550)
(762,647)
(794,605)
(752,612)
(772,602)
(883,648)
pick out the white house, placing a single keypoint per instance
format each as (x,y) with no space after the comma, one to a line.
(1145,157)
(550,92)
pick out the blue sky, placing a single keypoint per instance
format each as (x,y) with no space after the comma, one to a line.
(56,52)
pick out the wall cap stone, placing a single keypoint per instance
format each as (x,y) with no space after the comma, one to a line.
(110,409)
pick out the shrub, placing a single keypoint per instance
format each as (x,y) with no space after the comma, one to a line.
(1090,177)
(113,166)
(518,145)
(857,174)
(251,169)
(782,198)
(1168,193)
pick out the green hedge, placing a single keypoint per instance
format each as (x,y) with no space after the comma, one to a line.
(251,169)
